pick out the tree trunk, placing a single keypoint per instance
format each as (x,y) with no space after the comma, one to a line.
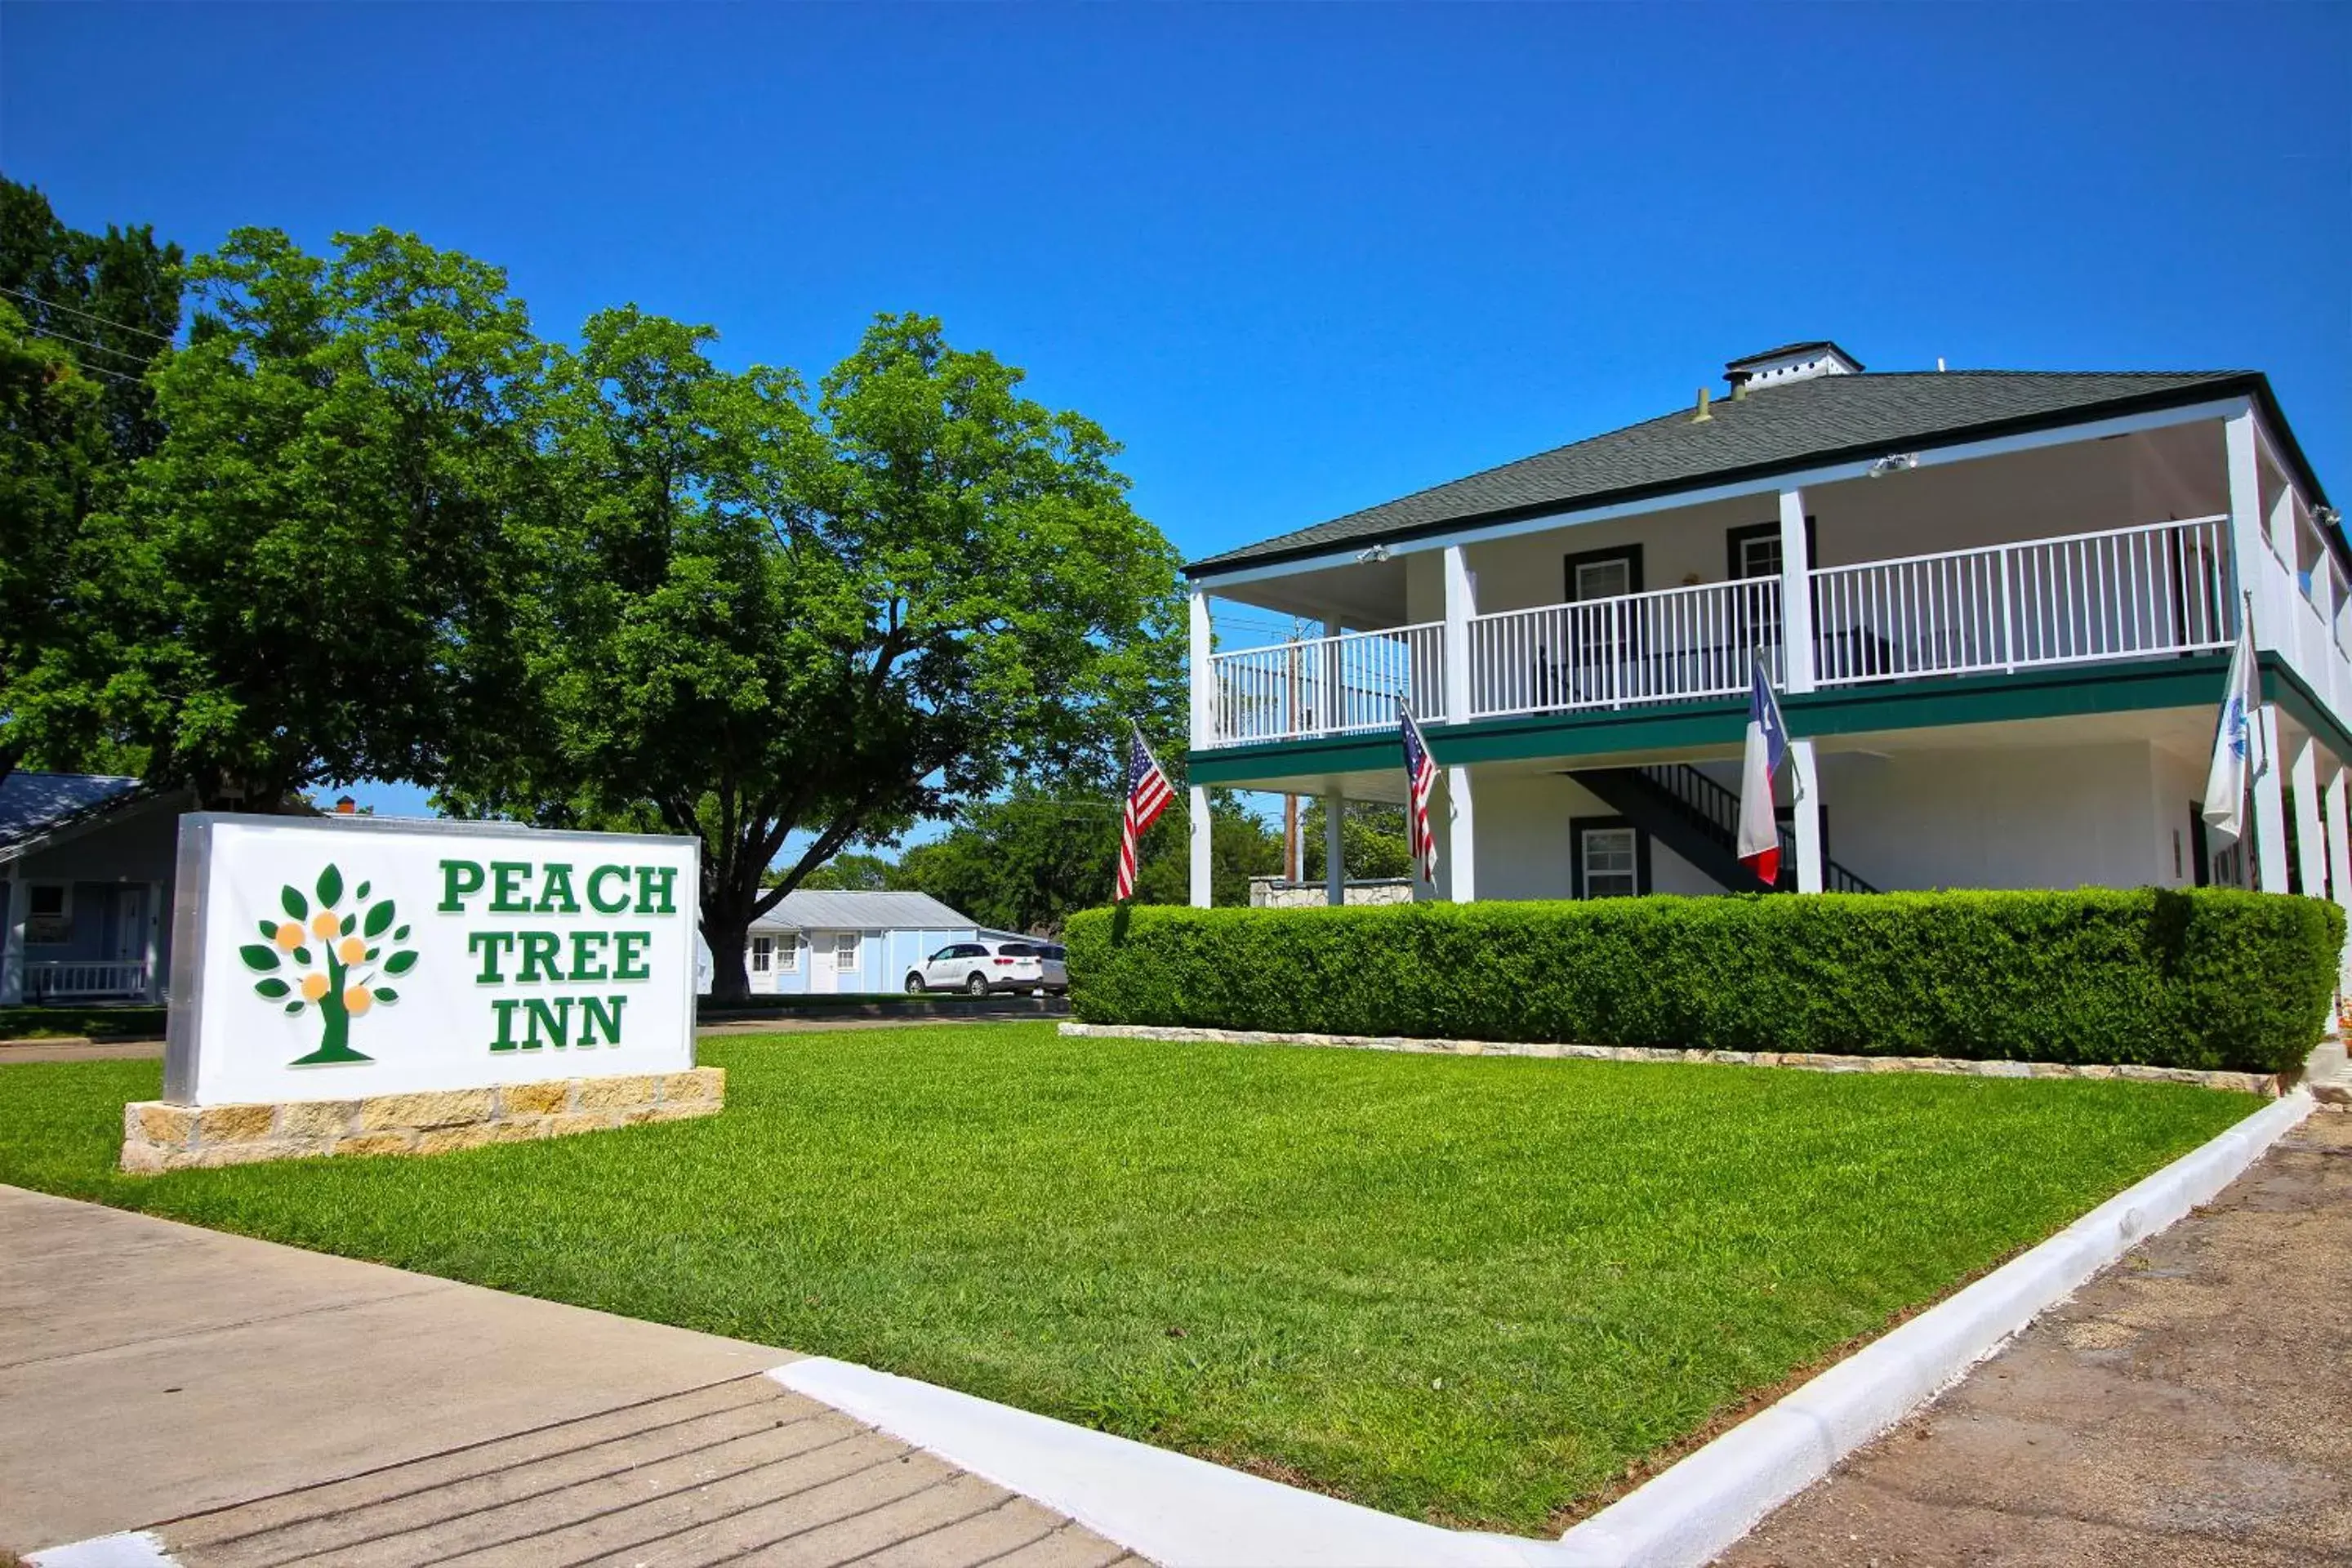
(335,1034)
(727,935)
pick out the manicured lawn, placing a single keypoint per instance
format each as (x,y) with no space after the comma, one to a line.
(1470,1290)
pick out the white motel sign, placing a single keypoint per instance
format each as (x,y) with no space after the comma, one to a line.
(339,958)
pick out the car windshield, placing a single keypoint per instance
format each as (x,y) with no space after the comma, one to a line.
(1056,953)
(1016,950)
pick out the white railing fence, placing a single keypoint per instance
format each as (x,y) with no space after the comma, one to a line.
(2160,588)
(1644,647)
(1326,686)
(70,979)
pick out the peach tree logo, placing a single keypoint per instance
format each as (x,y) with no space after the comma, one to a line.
(341,953)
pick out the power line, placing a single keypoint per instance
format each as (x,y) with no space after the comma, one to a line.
(109,373)
(85,315)
(84,343)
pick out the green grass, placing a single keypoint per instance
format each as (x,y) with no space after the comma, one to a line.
(1473,1290)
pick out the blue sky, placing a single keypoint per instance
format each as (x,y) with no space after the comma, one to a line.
(1298,259)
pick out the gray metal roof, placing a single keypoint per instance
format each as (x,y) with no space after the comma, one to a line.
(813,908)
(1793,424)
(34,802)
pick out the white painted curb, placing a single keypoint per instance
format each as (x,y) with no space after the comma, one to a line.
(1179,1512)
(1184,1512)
(134,1549)
(1699,1506)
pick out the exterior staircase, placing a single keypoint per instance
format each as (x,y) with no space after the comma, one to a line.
(1698,819)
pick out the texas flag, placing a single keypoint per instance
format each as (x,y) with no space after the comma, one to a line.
(1768,747)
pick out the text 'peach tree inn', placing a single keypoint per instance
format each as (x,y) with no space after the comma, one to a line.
(570,956)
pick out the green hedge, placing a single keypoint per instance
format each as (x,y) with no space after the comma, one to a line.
(2213,978)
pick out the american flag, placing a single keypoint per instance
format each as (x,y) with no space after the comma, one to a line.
(1421,776)
(1148,795)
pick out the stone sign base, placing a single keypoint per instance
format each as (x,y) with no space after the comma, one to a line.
(160,1137)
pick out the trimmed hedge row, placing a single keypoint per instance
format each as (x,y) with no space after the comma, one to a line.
(2211,978)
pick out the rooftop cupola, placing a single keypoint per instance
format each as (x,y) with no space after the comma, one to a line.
(1790,362)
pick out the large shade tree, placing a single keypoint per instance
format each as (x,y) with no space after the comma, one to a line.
(768,617)
(82,318)
(111,301)
(307,579)
(55,465)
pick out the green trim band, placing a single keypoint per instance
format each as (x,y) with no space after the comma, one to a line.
(2189,681)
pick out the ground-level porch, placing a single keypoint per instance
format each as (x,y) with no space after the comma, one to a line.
(2086,778)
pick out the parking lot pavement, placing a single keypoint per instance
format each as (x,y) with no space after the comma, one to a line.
(2188,1406)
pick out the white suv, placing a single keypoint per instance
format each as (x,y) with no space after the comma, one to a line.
(977,968)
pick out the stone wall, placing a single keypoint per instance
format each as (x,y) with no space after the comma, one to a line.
(160,1137)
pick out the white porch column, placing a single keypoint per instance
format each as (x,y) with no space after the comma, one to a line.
(1204,703)
(1796,601)
(1335,870)
(2310,842)
(12,939)
(1461,837)
(156,915)
(2256,573)
(1204,696)
(2339,851)
(1461,603)
(2270,806)
(1201,878)
(1805,777)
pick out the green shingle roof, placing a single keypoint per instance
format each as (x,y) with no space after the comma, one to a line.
(1794,424)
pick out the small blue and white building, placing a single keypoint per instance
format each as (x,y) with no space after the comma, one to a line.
(818,941)
(85,869)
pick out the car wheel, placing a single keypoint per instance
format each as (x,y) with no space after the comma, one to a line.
(977,986)
(914,985)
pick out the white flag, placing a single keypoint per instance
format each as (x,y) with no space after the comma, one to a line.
(2233,745)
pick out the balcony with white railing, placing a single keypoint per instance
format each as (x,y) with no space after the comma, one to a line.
(2159,590)
(1676,643)
(1327,686)
(2163,588)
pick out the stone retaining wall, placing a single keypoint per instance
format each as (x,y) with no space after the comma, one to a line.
(2269,1084)
(160,1137)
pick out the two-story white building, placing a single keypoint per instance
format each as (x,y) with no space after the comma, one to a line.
(1998,605)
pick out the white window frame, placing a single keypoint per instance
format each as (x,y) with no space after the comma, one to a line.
(763,954)
(1631,875)
(65,913)
(1621,565)
(844,952)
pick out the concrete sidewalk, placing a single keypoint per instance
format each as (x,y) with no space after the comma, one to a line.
(255,1403)
(2192,1404)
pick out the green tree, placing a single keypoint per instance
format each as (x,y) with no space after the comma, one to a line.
(307,580)
(852,872)
(111,301)
(56,467)
(762,611)
(1372,840)
(1030,861)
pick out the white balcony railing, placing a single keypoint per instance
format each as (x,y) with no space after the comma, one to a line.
(1641,647)
(1328,686)
(62,979)
(2161,588)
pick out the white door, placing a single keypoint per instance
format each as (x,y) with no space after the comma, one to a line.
(822,976)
